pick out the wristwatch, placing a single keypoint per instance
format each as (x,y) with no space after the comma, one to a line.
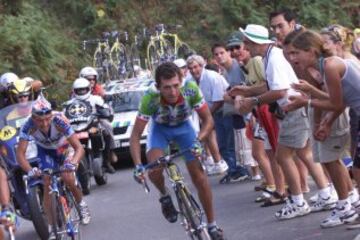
(256,100)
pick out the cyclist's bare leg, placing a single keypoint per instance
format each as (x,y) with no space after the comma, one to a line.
(69,180)
(4,189)
(46,197)
(155,175)
(200,180)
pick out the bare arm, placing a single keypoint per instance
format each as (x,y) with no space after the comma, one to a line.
(206,121)
(334,70)
(216,106)
(78,148)
(248,91)
(135,146)
(20,155)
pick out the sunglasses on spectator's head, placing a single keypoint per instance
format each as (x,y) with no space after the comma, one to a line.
(91,78)
(333,31)
(232,48)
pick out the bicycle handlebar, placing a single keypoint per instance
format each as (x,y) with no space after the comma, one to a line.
(165,159)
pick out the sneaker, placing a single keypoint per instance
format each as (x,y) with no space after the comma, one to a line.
(314,198)
(84,213)
(292,210)
(233,177)
(324,204)
(168,208)
(217,168)
(216,233)
(354,225)
(256,178)
(338,216)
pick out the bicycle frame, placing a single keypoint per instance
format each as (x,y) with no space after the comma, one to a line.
(177,181)
(63,199)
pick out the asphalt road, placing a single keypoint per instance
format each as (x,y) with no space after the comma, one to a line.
(121,210)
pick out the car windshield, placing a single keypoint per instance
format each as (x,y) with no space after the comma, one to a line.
(126,101)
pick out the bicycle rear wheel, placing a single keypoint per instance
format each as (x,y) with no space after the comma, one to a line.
(135,59)
(192,214)
(98,64)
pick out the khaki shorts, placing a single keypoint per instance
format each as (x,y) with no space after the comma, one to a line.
(333,148)
(294,129)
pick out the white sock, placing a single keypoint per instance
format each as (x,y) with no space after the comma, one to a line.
(325,193)
(342,203)
(298,199)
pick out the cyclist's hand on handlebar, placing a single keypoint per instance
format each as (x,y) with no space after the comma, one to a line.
(34,172)
(197,148)
(139,173)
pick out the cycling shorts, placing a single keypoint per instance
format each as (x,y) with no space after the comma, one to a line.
(54,158)
(161,135)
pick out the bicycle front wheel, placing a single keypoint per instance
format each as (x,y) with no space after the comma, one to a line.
(192,214)
(74,218)
(183,51)
(119,58)
(57,217)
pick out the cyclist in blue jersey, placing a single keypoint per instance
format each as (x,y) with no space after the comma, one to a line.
(169,107)
(58,148)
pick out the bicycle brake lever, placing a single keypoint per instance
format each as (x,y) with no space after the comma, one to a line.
(146,186)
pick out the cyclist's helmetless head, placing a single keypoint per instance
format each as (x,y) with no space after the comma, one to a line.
(168,79)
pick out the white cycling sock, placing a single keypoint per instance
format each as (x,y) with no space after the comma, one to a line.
(325,193)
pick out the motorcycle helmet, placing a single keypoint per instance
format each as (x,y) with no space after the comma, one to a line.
(89,73)
(81,88)
(7,79)
(18,89)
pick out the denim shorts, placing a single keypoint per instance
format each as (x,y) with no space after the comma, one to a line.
(294,129)
(161,135)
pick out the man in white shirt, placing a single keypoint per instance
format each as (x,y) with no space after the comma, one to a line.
(294,126)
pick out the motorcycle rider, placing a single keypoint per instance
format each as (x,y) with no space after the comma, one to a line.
(57,146)
(82,91)
(91,75)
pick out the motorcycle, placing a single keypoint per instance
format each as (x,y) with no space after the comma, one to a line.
(88,130)
(28,206)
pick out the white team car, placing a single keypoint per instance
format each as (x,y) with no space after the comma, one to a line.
(124,97)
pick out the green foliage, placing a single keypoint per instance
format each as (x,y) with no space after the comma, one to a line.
(34,41)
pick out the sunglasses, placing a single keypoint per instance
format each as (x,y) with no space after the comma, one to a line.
(233,48)
(333,30)
(22,96)
(43,112)
(91,78)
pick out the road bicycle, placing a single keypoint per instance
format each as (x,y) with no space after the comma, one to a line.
(118,53)
(189,210)
(102,59)
(65,213)
(159,49)
(165,46)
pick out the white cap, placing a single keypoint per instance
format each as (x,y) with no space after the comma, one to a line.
(180,62)
(256,33)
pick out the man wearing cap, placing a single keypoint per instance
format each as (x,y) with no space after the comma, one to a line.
(181,63)
(294,127)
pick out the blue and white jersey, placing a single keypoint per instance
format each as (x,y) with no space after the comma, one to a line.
(59,131)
